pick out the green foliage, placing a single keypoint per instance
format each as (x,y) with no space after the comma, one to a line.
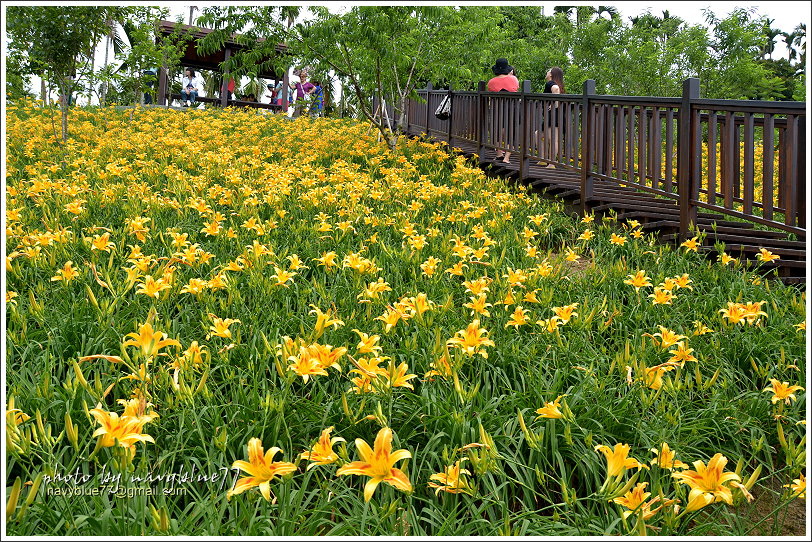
(17,80)
(543,480)
(654,54)
(54,38)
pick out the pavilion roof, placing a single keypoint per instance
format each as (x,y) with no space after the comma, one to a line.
(193,59)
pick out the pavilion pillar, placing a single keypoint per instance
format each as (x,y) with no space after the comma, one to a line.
(226,80)
(162,85)
(285,85)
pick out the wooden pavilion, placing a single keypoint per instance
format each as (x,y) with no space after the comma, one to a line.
(192,58)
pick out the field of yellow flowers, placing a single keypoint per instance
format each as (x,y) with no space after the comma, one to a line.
(222,322)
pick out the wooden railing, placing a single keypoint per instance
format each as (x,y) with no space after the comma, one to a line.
(701,153)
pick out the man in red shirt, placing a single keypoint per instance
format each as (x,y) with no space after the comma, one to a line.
(503,80)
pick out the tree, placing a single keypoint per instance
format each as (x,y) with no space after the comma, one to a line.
(53,38)
(17,80)
(258,29)
(374,51)
(770,36)
(796,44)
(735,47)
(389,51)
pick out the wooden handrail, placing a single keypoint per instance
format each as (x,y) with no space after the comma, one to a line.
(641,141)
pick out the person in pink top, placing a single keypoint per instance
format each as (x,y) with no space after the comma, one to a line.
(503,80)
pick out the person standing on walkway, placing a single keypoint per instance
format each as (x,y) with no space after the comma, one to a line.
(304,89)
(552,131)
(504,80)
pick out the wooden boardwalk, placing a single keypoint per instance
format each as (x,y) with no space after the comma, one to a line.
(719,194)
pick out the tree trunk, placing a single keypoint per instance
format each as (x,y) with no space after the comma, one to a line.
(43,91)
(64,121)
(65,87)
(92,83)
(63,106)
(103,97)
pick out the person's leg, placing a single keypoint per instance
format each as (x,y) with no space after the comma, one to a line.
(548,138)
(194,96)
(500,153)
(555,134)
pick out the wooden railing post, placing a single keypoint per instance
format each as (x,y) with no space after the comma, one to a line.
(451,114)
(800,171)
(524,120)
(429,88)
(480,132)
(686,151)
(409,107)
(587,145)
(285,86)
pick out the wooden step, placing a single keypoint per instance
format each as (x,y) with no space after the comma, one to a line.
(757,239)
(787,255)
(794,254)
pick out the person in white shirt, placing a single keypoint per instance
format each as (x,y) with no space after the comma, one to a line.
(191,87)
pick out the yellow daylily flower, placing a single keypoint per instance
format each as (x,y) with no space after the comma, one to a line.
(667,337)
(472,340)
(638,280)
(378,464)
(665,458)
(368,344)
(478,286)
(691,244)
(195,286)
(327,259)
(661,297)
(635,500)
(617,459)
(151,287)
(551,409)
(124,430)
(765,255)
(782,391)
(681,354)
(726,259)
(390,317)
(429,267)
(518,318)
(149,341)
(282,276)
(324,320)
(67,273)
(102,242)
(617,240)
(261,469)
(798,486)
(321,453)
(452,479)
(707,482)
(566,312)
(220,326)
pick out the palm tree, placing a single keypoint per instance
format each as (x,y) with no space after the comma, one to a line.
(770,35)
(646,20)
(796,43)
(609,10)
(567,11)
